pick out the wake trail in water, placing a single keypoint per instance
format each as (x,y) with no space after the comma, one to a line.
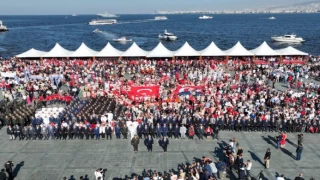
(47,26)
(136,21)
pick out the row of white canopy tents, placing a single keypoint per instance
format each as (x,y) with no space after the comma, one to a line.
(160,51)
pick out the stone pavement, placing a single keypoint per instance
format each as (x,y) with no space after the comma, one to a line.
(54,159)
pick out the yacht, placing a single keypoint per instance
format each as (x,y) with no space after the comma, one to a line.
(167,36)
(159,18)
(107,15)
(122,40)
(74,15)
(102,22)
(97,31)
(205,17)
(288,38)
(2,27)
(272,18)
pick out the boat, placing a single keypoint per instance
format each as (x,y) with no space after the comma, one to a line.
(97,31)
(102,22)
(159,18)
(74,15)
(107,15)
(205,17)
(122,40)
(2,27)
(288,38)
(272,18)
(167,36)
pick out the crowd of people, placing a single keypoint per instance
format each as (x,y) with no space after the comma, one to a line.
(195,97)
(181,99)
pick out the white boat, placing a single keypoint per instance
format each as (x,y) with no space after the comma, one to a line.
(97,31)
(102,22)
(288,38)
(122,40)
(272,18)
(74,15)
(2,27)
(107,15)
(205,17)
(159,18)
(167,36)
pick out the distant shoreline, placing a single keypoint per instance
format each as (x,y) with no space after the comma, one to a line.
(159,14)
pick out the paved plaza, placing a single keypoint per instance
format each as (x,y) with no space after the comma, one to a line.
(54,159)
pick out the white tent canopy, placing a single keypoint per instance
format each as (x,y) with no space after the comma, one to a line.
(290,51)
(83,51)
(160,51)
(134,51)
(109,51)
(186,50)
(238,50)
(212,50)
(32,53)
(264,50)
(58,51)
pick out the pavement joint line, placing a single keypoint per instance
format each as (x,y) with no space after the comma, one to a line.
(165,162)
(133,162)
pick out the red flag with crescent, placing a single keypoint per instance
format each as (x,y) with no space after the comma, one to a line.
(145,91)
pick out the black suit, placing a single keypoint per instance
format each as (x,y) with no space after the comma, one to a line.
(108,132)
(299,178)
(149,142)
(164,143)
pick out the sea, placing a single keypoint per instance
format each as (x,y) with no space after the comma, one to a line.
(43,31)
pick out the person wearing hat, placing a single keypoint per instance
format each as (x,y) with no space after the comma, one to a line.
(124,131)
(135,142)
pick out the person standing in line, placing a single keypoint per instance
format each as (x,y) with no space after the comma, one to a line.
(299,152)
(10,132)
(149,143)
(135,143)
(117,131)
(124,131)
(164,143)
(183,131)
(108,131)
(267,157)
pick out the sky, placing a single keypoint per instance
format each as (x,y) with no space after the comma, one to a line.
(35,7)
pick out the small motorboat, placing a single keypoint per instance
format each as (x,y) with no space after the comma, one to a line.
(97,31)
(3,27)
(288,39)
(205,17)
(167,36)
(122,40)
(272,18)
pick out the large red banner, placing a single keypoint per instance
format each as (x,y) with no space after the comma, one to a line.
(186,89)
(138,91)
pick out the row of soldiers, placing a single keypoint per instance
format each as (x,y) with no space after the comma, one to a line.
(63,132)
(296,125)
(20,114)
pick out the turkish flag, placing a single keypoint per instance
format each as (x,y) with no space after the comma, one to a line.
(145,91)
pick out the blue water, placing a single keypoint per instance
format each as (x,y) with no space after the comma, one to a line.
(42,32)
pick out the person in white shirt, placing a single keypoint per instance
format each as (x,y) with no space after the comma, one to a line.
(99,174)
(281,177)
(248,168)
